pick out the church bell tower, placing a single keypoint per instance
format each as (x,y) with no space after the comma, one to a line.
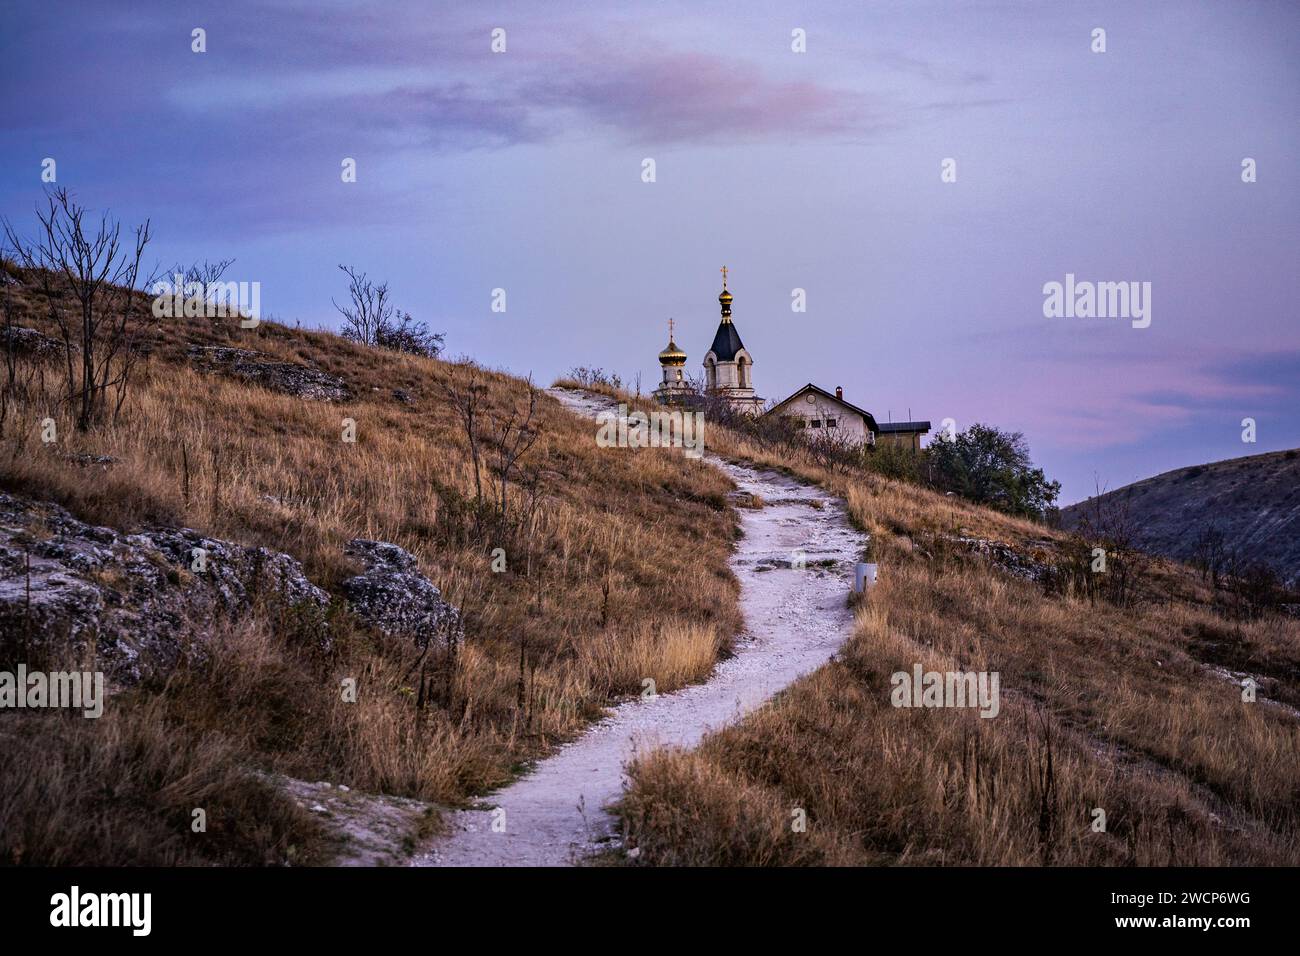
(728,366)
(674,387)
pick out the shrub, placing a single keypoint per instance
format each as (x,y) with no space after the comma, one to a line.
(991,467)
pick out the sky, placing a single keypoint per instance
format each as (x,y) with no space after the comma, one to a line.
(819,170)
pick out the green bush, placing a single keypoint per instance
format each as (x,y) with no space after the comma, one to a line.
(991,467)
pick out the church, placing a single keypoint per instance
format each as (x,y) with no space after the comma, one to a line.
(729,375)
(728,366)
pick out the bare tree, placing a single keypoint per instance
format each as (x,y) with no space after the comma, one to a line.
(515,435)
(205,272)
(8,396)
(467,403)
(370,311)
(204,275)
(1253,587)
(1109,522)
(834,450)
(22,381)
(1209,553)
(104,278)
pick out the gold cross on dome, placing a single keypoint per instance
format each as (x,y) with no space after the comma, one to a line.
(724,277)
(670,330)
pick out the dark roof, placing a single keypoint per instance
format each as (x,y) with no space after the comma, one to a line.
(871,420)
(726,343)
(888,427)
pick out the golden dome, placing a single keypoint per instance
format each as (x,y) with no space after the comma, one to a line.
(672,355)
(725,301)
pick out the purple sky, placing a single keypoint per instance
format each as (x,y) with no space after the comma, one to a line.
(818,170)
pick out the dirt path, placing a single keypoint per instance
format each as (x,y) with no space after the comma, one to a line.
(796,619)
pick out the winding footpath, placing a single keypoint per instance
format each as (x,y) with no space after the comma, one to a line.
(796,620)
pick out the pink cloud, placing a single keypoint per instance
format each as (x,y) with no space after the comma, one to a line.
(693,97)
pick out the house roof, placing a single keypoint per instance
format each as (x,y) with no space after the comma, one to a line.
(870,419)
(889,427)
(726,343)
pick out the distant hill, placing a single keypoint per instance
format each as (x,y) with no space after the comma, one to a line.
(1254,501)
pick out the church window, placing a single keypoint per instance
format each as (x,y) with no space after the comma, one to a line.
(830,423)
(817,423)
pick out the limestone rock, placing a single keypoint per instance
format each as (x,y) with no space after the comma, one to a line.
(32,343)
(394,597)
(137,598)
(289,378)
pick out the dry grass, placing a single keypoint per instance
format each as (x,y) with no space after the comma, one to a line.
(1102,707)
(122,790)
(676,651)
(591,605)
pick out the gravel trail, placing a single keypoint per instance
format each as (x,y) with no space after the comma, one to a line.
(795,621)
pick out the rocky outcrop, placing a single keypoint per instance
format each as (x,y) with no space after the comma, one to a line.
(143,600)
(1006,557)
(88,460)
(29,342)
(290,378)
(395,598)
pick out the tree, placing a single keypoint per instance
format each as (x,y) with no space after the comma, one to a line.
(832,449)
(1107,522)
(104,278)
(10,385)
(1209,554)
(371,319)
(992,467)
(369,311)
(1254,587)
(892,460)
(409,336)
(205,274)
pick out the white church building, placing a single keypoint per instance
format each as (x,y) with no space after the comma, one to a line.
(729,375)
(728,366)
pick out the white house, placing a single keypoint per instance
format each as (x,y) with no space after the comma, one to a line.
(829,415)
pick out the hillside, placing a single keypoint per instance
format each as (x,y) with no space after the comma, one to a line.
(1126,700)
(235,438)
(1253,502)
(1124,737)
